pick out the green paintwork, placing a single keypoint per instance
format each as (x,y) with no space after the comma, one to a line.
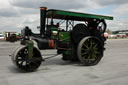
(60,14)
(54,29)
(65,36)
(66,13)
(30,48)
(68,52)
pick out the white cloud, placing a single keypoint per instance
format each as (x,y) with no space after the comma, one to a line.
(61,4)
(15,14)
(111,2)
(120,15)
(121,10)
(4,4)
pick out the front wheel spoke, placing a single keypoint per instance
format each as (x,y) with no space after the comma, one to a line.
(28,63)
(33,64)
(21,63)
(29,66)
(36,64)
(19,59)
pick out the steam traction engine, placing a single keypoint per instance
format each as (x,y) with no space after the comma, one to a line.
(83,41)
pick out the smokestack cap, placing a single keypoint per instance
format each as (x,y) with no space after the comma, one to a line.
(43,8)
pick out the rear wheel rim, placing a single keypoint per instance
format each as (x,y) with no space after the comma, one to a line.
(91,51)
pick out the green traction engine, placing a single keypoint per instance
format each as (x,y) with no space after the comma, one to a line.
(77,36)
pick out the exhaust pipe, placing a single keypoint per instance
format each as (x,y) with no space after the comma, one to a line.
(42,20)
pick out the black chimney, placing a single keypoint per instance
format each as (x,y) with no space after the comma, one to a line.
(42,20)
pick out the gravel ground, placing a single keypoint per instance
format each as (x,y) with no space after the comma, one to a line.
(112,70)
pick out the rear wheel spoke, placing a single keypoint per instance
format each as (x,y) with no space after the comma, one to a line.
(86,46)
(85,53)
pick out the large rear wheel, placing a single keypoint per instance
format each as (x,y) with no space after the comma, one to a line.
(90,51)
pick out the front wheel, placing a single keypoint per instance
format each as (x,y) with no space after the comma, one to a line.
(21,60)
(90,51)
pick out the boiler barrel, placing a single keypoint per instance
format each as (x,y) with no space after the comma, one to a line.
(46,44)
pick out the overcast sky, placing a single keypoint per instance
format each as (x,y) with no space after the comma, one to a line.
(15,14)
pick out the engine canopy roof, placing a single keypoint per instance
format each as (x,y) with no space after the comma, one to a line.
(69,15)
